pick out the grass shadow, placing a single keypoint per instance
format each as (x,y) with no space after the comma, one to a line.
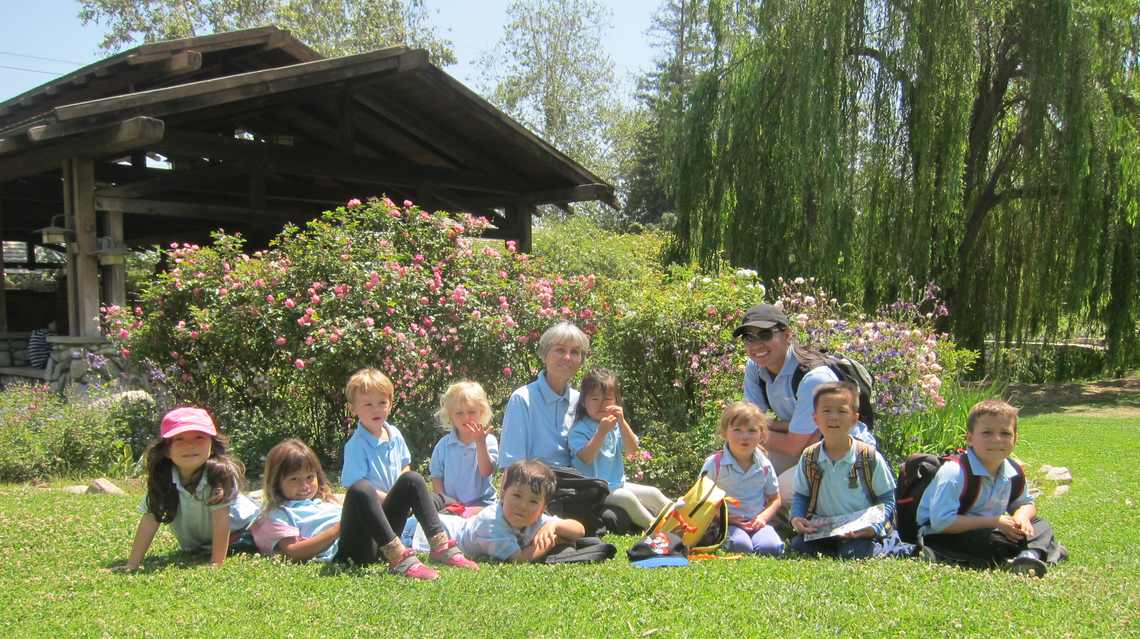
(1106,398)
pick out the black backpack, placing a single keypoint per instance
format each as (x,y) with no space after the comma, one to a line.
(916,473)
(579,498)
(845,368)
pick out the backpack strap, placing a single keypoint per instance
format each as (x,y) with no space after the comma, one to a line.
(1017,484)
(717,456)
(813,474)
(865,460)
(970,487)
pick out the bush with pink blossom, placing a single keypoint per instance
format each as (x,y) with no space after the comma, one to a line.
(267,340)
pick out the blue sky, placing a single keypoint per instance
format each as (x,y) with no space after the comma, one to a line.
(50,29)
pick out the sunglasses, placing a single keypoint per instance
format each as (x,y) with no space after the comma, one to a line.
(759,336)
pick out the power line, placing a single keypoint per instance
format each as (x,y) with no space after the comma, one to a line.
(36,57)
(4,66)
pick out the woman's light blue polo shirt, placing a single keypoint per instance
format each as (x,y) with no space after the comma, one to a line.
(536,423)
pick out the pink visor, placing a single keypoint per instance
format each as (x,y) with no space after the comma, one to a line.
(181,420)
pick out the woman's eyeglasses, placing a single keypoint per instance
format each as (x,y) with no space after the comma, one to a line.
(758,336)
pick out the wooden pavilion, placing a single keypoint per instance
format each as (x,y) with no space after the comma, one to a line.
(248,130)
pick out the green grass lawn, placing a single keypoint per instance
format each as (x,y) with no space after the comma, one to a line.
(56,551)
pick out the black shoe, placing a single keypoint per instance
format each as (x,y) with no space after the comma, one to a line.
(1028,563)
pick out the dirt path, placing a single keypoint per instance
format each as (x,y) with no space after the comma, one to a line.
(1103,398)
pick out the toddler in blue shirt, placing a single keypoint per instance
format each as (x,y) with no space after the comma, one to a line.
(600,439)
(463,461)
(998,528)
(517,528)
(744,472)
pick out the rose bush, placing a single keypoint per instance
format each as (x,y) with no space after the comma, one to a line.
(268,340)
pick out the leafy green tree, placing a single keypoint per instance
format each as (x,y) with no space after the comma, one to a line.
(990,146)
(550,71)
(332,27)
(680,33)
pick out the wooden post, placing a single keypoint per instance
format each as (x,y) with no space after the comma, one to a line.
(3,293)
(115,275)
(69,223)
(519,218)
(82,186)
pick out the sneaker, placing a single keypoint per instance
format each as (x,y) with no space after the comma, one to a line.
(409,566)
(927,554)
(1027,564)
(449,555)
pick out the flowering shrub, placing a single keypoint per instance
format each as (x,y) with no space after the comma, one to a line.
(45,435)
(268,340)
(671,344)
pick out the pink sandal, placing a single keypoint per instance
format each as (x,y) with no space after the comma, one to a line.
(410,566)
(449,555)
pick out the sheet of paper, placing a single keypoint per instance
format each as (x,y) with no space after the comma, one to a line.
(846,523)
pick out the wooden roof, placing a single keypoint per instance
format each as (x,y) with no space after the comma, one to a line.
(259,129)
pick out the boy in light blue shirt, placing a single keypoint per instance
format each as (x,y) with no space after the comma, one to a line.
(517,528)
(377,450)
(841,476)
(999,528)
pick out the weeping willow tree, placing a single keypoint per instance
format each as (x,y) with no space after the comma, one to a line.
(991,146)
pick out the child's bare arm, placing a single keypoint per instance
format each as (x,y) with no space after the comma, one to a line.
(569,530)
(482,456)
(1024,517)
(144,535)
(629,440)
(305,549)
(770,510)
(220,535)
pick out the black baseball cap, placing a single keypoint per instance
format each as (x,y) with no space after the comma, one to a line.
(761,316)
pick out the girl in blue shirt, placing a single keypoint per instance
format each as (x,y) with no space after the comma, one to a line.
(600,437)
(303,520)
(463,461)
(192,485)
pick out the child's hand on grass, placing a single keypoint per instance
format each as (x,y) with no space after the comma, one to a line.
(126,568)
(544,540)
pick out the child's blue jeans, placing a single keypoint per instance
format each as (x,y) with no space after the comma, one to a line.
(765,541)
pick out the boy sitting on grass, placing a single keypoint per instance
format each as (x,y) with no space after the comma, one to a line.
(999,528)
(843,476)
(518,528)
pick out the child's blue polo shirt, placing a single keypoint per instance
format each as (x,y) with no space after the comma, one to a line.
(836,494)
(752,487)
(488,534)
(536,423)
(457,465)
(794,408)
(299,519)
(938,507)
(192,526)
(609,463)
(380,462)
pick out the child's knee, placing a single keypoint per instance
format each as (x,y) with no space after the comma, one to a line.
(359,488)
(412,477)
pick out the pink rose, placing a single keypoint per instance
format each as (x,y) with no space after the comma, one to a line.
(280,341)
(289,303)
(353,203)
(299,363)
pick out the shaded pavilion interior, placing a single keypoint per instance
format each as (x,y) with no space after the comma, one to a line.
(246,131)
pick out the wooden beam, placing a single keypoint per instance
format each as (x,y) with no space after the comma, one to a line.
(236,87)
(117,138)
(191,210)
(114,275)
(3,295)
(580,193)
(278,158)
(82,186)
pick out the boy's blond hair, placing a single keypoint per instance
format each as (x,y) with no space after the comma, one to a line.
(742,411)
(994,407)
(463,391)
(368,380)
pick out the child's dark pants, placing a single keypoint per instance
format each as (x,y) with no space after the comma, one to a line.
(366,525)
(989,546)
